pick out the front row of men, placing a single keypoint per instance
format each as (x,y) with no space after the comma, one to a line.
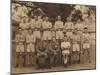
(54,52)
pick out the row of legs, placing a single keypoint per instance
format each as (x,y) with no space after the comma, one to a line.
(30,59)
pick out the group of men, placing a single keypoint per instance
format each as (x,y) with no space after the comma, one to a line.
(44,44)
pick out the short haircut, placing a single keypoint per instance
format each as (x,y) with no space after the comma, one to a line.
(85,28)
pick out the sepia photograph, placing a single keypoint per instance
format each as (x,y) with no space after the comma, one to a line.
(52,37)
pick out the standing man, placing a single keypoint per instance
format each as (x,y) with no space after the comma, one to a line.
(30,50)
(19,37)
(19,40)
(79,26)
(68,27)
(76,41)
(25,23)
(20,56)
(32,22)
(59,28)
(46,25)
(86,44)
(65,46)
(37,28)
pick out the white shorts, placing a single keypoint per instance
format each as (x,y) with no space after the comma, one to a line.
(53,33)
(76,47)
(86,45)
(30,48)
(69,34)
(65,52)
(59,35)
(47,35)
(19,49)
(37,35)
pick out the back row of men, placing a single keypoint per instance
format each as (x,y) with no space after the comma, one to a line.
(45,29)
(38,22)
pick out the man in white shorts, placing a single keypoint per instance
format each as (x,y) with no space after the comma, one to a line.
(86,43)
(25,23)
(30,50)
(68,27)
(46,25)
(59,28)
(65,46)
(79,25)
(76,41)
(37,28)
(19,55)
(19,37)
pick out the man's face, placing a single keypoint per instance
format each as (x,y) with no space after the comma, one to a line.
(46,18)
(78,21)
(43,18)
(29,9)
(26,19)
(85,30)
(59,18)
(54,39)
(75,31)
(39,17)
(35,17)
(67,19)
(30,31)
(20,31)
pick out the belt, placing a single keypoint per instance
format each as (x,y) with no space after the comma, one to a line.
(59,29)
(29,42)
(76,42)
(46,29)
(65,49)
(37,29)
(69,30)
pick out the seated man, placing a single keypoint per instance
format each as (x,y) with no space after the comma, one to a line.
(50,55)
(41,54)
(53,53)
(65,46)
(41,58)
(56,52)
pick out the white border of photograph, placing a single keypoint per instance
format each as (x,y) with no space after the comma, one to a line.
(5,37)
